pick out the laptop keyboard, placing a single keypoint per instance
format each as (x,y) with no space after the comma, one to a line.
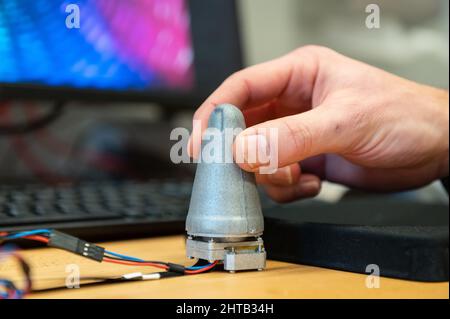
(152,202)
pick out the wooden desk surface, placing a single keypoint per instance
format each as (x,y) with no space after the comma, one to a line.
(279,280)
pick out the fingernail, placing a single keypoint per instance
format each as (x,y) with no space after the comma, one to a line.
(282,176)
(253,148)
(309,185)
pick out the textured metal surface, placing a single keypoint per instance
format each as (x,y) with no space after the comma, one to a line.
(224,201)
(235,261)
(212,250)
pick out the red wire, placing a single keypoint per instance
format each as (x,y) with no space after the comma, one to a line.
(44,135)
(22,149)
(103,161)
(38,238)
(29,283)
(37,167)
(198,271)
(42,239)
(125,262)
(132,263)
(11,292)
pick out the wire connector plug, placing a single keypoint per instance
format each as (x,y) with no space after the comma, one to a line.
(76,245)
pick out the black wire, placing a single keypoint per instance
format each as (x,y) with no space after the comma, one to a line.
(21,231)
(201,262)
(9,286)
(106,255)
(26,271)
(24,128)
(99,281)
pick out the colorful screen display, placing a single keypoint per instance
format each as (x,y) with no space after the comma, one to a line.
(97,44)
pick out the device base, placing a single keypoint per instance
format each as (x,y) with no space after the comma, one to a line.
(236,255)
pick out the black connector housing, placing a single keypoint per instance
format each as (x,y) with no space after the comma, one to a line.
(176,268)
(76,245)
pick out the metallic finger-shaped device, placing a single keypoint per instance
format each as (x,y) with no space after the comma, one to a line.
(225,222)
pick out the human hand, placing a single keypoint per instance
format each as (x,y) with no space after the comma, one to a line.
(337,119)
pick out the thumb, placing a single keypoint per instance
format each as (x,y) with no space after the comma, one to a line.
(290,139)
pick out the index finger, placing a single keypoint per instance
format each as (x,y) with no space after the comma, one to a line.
(247,88)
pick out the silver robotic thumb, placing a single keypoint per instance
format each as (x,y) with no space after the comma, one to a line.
(224,200)
(225,221)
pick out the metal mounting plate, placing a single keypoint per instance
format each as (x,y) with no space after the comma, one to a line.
(245,255)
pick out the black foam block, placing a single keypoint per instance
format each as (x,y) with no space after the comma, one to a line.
(406,240)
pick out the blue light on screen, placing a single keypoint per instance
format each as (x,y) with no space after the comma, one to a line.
(120,45)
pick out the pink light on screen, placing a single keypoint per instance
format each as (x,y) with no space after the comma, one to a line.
(152,35)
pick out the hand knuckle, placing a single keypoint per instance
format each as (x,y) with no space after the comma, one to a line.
(300,135)
(315,49)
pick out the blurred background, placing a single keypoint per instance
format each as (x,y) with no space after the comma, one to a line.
(412,40)
(131,139)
